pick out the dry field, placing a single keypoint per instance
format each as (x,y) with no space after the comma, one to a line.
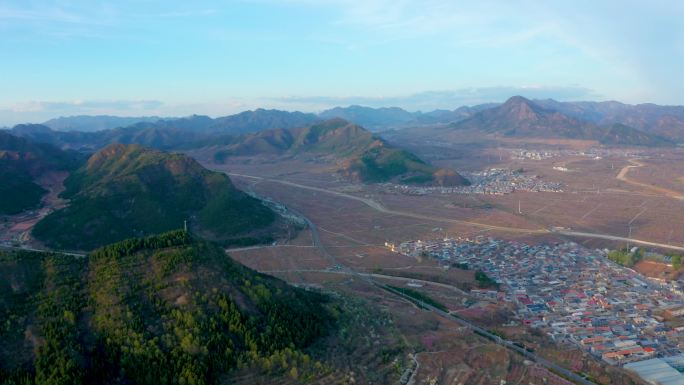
(594,201)
(353,234)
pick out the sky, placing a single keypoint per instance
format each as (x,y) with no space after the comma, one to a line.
(176,58)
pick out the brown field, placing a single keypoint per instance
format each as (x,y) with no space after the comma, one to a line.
(656,270)
(353,232)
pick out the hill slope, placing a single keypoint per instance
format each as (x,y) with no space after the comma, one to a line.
(128,190)
(520,117)
(167,133)
(261,119)
(21,163)
(88,123)
(620,134)
(370,117)
(360,154)
(168,309)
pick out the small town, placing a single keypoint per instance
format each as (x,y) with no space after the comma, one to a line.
(575,295)
(493,181)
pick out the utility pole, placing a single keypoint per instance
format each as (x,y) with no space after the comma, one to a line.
(185,225)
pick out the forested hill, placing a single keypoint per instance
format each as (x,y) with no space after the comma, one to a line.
(126,191)
(361,155)
(22,163)
(168,309)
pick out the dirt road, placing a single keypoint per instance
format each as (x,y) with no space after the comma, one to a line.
(622,175)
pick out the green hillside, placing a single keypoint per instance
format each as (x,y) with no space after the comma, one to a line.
(126,191)
(335,136)
(18,191)
(168,309)
(21,163)
(360,154)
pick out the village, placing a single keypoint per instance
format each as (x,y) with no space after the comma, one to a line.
(493,181)
(573,294)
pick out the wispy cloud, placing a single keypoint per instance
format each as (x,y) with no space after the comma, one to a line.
(91,106)
(37,111)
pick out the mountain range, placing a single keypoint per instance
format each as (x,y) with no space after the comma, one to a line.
(359,154)
(165,133)
(589,120)
(89,123)
(666,121)
(127,190)
(523,118)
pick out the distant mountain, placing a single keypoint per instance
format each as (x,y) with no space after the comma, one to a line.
(22,162)
(361,155)
(74,140)
(668,126)
(523,118)
(127,190)
(370,117)
(395,117)
(163,310)
(161,134)
(261,119)
(620,134)
(667,121)
(520,117)
(167,133)
(451,116)
(89,123)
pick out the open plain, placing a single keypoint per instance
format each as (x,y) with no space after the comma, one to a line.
(355,225)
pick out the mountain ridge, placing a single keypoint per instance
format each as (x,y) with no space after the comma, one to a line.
(128,190)
(521,117)
(359,154)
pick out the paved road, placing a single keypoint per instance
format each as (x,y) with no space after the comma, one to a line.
(42,250)
(348,271)
(506,343)
(616,238)
(377,206)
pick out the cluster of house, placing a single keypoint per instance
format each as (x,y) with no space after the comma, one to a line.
(594,153)
(493,181)
(533,155)
(574,294)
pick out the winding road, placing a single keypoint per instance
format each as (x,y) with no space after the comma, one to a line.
(622,175)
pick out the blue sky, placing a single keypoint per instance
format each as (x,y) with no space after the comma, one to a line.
(176,58)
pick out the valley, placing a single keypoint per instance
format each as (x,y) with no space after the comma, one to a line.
(346,192)
(340,203)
